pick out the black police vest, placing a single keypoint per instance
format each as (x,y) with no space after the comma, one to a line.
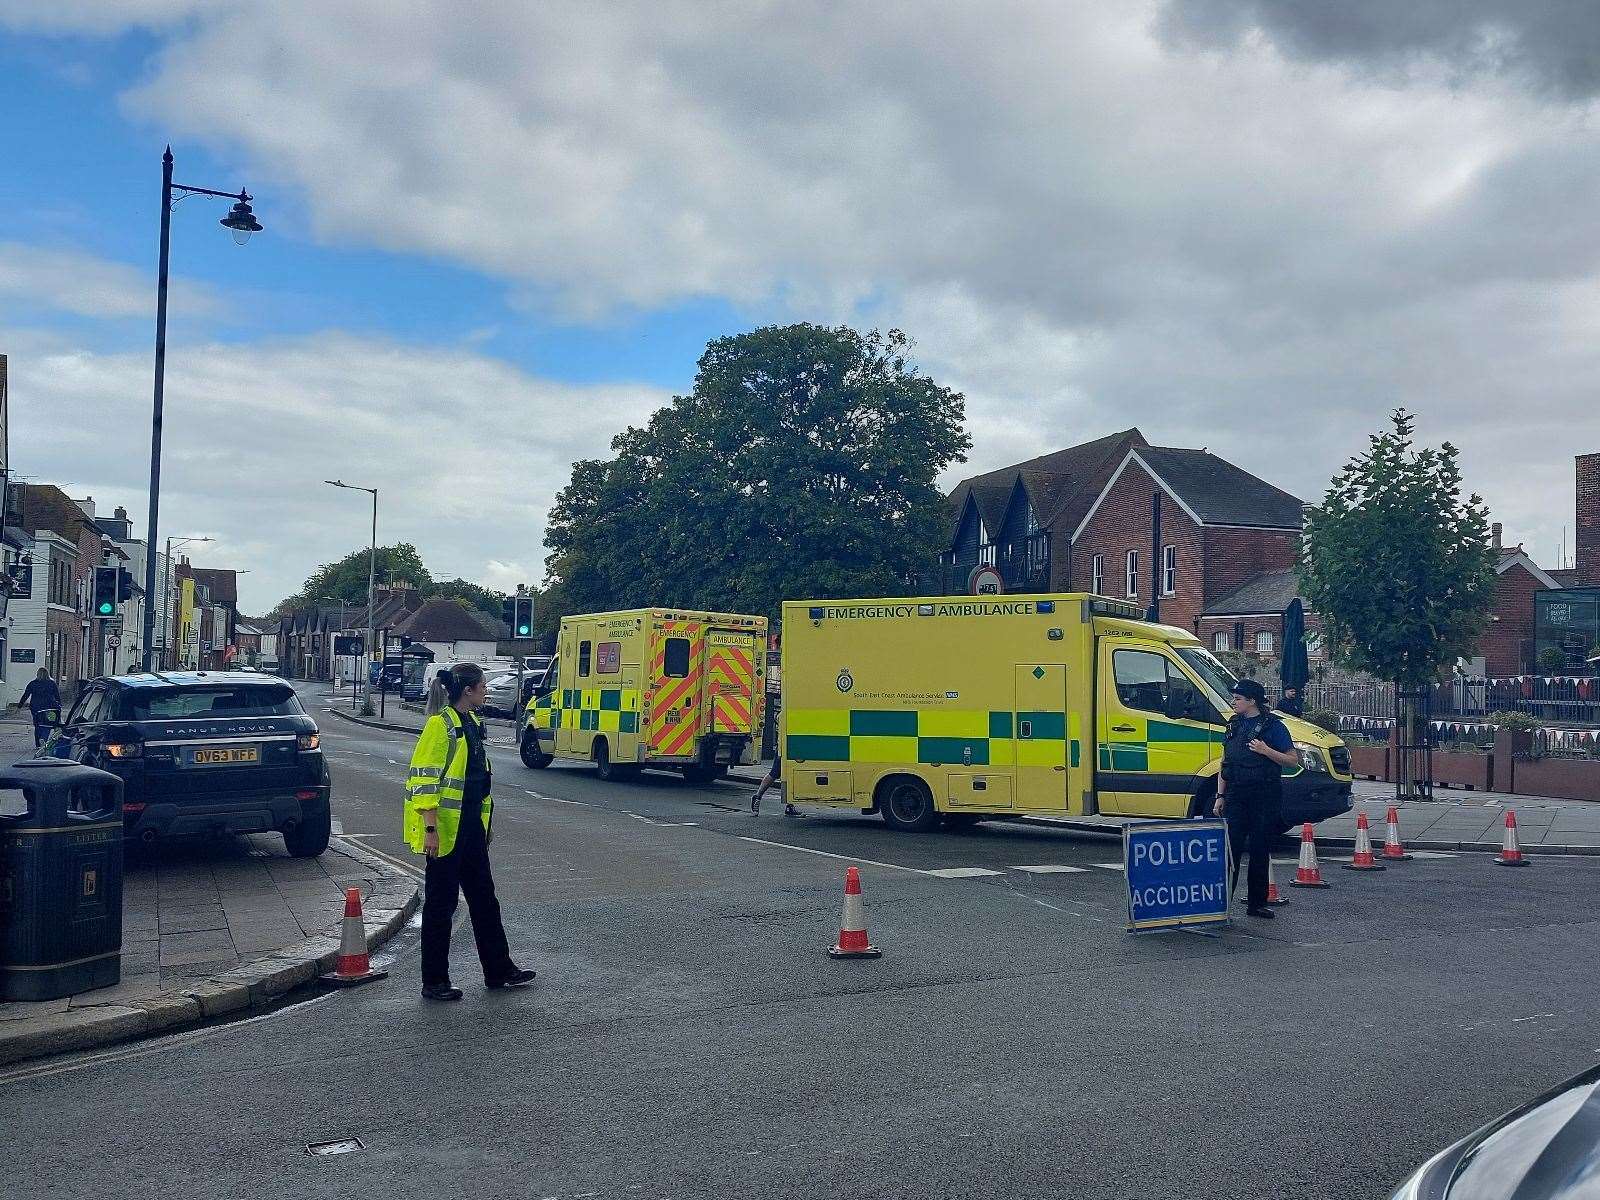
(1240,764)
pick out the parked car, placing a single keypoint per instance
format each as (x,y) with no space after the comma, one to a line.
(502,700)
(1548,1148)
(204,752)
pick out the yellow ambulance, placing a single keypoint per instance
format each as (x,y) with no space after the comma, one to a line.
(951,709)
(651,687)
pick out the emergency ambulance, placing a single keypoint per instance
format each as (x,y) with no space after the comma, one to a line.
(951,709)
(651,687)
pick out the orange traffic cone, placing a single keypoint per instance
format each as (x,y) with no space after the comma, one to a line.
(1393,850)
(1511,850)
(1362,860)
(853,924)
(1274,896)
(1308,874)
(354,965)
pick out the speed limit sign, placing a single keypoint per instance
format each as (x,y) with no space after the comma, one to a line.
(113,641)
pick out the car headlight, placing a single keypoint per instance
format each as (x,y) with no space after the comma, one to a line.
(1311,757)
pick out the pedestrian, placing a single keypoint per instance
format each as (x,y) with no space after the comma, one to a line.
(774,773)
(1290,703)
(448,818)
(43,697)
(1255,748)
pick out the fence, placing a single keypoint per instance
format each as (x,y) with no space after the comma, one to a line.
(1561,698)
(1476,736)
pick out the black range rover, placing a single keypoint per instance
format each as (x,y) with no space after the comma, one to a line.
(205,752)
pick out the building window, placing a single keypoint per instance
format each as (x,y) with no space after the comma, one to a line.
(1132,574)
(1219,642)
(1097,574)
(1169,570)
(1264,642)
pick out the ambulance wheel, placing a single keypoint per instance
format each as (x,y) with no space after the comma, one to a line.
(603,765)
(907,804)
(532,756)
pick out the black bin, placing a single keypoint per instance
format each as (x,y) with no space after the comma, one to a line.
(60,879)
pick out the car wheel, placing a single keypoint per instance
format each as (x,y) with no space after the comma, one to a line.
(907,804)
(532,756)
(310,838)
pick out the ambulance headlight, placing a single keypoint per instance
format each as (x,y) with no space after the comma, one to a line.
(1311,757)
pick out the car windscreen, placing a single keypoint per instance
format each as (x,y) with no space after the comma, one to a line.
(217,700)
(1217,678)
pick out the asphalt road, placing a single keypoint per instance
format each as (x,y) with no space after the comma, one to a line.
(688,1035)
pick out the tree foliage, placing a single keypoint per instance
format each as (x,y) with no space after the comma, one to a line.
(804,463)
(1397,564)
(346,579)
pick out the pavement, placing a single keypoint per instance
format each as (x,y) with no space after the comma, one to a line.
(210,928)
(688,1035)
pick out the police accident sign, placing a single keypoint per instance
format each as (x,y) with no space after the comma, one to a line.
(1177,873)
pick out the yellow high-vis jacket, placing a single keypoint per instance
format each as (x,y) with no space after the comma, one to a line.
(438,779)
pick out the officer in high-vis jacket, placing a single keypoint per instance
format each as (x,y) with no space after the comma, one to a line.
(448,818)
(1250,790)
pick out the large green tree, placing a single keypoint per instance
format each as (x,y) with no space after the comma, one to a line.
(346,579)
(803,463)
(1397,563)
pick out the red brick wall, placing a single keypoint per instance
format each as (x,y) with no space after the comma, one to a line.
(1235,556)
(1587,559)
(1501,644)
(1122,523)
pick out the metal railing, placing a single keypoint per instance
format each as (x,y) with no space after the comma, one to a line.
(1563,699)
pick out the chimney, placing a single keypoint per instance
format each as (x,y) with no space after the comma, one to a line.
(121,513)
(1494,536)
(1587,553)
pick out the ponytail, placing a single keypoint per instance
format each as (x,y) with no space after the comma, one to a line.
(438,696)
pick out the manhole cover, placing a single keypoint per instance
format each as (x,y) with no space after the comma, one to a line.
(342,1146)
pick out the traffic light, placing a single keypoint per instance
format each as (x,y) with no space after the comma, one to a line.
(124,583)
(105,591)
(508,612)
(522,626)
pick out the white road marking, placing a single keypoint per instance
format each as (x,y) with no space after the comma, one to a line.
(557,799)
(1052,869)
(840,857)
(961,872)
(1427,854)
(1109,866)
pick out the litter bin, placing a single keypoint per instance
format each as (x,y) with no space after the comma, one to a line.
(60,879)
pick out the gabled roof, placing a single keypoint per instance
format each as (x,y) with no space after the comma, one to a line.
(1266,593)
(1061,485)
(1210,489)
(1515,556)
(445,620)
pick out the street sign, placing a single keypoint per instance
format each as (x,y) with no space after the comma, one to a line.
(985,581)
(347,646)
(1177,873)
(113,641)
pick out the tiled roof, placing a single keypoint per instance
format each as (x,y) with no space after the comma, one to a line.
(1221,493)
(444,620)
(1267,593)
(1062,484)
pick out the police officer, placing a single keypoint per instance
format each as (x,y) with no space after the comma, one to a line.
(1250,790)
(448,816)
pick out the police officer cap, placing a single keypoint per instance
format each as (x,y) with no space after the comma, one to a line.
(1250,690)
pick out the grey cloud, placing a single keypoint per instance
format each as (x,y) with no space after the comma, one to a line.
(1551,45)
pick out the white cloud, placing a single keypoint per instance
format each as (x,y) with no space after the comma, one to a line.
(71,281)
(467,451)
(1085,222)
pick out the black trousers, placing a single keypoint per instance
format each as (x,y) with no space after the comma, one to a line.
(464,869)
(1252,812)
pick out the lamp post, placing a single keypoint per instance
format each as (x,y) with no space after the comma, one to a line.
(242,221)
(372,576)
(166,604)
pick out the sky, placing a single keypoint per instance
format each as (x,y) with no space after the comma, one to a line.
(497,235)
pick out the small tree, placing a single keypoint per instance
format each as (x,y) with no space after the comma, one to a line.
(1399,566)
(1551,660)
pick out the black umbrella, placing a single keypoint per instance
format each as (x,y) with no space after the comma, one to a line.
(1295,671)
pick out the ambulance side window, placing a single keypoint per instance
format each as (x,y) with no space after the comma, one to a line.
(584,649)
(675,658)
(1141,679)
(609,658)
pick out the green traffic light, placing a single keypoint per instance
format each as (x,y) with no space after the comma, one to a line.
(106,609)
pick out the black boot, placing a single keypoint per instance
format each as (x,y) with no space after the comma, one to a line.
(516,978)
(441,992)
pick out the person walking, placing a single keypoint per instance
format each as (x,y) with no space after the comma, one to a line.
(448,818)
(43,697)
(1250,788)
(774,774)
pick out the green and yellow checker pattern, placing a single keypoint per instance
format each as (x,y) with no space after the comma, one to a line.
(934,738)
(1177,748)
(605,710)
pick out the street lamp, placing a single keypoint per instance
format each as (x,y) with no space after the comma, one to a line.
(372,575)
(166,602)
(241,220)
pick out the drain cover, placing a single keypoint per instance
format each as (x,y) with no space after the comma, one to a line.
(342,1146)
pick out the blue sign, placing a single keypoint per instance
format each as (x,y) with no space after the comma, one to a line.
(1177,873)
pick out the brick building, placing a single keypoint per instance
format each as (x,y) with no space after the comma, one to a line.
(1182,528)
(1586,558)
